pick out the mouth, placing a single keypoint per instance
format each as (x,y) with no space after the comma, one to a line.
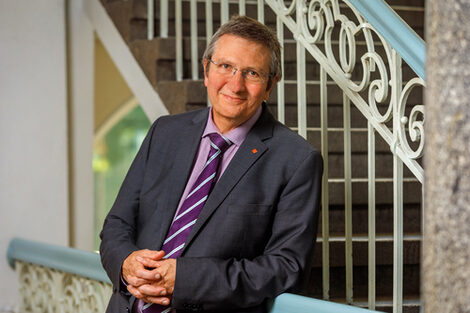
(233,98)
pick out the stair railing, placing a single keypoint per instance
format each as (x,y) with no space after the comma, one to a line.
(312,24)
(61,279)
(58,279)
(376,88)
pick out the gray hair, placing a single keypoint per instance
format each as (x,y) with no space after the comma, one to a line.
(252,30)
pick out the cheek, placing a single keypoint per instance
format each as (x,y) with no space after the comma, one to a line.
(259,92)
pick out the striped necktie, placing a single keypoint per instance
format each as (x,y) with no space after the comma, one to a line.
(191,207)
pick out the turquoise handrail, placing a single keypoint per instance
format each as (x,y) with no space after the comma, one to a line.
(87,264)
(290,303)
(401,37)
(69,260)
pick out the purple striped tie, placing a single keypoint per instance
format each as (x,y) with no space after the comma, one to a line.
(191,207)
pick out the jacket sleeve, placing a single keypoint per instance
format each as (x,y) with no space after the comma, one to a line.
(213,283)
(119,229)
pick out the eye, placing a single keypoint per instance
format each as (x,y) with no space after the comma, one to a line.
(226,67)
(252,74)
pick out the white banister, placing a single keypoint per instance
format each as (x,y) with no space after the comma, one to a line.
(261,11)
(194,41)
(348,198)
(209,21)
(150,19)
(396,78)
(371,215)
(301,92)
(179,39)
(242,7)
(281,84)
(325,198)
(224,11)
(163,18)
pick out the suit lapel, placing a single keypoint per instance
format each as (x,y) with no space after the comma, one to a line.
(183,158)
(249,152)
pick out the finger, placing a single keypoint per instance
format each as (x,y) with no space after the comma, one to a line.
(159,300)
(148,262)
(136,282)
(152,290)
(135,292)
(152,254)
(146,274)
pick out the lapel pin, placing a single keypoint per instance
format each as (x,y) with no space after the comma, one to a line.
(254,151)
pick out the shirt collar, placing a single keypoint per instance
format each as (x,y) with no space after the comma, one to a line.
(236,135)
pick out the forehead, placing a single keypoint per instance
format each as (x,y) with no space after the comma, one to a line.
(242,52)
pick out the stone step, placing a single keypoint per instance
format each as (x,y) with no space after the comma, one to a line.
(198,99)
(383,221)
(165,60)
(412,193)
(383,254)
(411,13)
(411,304)
(384,282)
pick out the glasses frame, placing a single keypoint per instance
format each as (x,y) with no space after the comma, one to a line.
(264,76)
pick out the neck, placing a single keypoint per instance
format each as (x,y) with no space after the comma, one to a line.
(226,125)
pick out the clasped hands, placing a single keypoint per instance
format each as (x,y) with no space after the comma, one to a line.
(149,276)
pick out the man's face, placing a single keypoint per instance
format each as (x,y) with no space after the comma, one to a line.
(235,98)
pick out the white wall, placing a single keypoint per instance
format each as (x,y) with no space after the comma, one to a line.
(33,129)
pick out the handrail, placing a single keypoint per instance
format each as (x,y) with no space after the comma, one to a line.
(87,264)
(401,37)
(69,260)
(290,303)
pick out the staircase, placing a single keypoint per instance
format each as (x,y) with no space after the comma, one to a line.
(156,57)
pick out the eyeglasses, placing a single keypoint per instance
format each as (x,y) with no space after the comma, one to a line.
(250,75)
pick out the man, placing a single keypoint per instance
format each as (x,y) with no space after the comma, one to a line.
(218,211)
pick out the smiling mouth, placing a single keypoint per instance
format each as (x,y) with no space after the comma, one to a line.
(237,99)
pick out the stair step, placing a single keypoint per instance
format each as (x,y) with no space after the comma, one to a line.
(384,281)
(385,304)
(383,219)
(384,251)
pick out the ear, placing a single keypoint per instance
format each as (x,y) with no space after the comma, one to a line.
(268,91)
(204,64)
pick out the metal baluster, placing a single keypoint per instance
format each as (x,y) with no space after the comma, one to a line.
(325,199)
(280,85)
(209,21)
(397,234)
(193,22)
(301,94)
(150,19)
(163,18)
(348,198)
(371,215)
(209,29)
(396,82)
(242,7)
(179,39)
(224,11)
(261,11)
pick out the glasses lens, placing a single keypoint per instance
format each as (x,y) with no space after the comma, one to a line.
(228,70)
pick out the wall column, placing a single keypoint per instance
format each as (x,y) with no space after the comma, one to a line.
(446,244)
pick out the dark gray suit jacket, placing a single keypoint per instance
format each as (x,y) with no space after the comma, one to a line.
(254,237)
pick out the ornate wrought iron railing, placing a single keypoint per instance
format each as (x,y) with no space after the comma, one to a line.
(60,279)
(359,46)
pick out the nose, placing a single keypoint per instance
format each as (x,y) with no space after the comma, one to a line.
(236,82)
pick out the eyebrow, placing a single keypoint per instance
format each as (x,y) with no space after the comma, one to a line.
(221,60)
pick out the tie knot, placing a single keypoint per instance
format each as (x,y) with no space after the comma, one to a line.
(220,142)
